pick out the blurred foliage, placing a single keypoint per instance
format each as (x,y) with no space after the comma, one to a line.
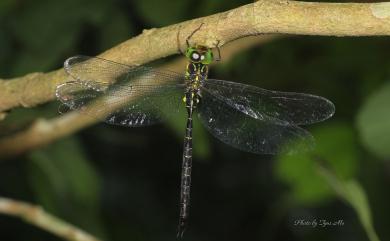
(33,26)
(63,172)
(335,158)
(150,10)
(178,122)
(373,122)
(122,184)
(335,144)
(353,193)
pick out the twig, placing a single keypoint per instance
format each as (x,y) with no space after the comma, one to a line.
(36,216)
(45,131)
(266,16)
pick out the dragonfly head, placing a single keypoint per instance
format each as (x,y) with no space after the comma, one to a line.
(200,54)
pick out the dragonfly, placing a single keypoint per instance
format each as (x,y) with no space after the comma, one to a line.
(246,117)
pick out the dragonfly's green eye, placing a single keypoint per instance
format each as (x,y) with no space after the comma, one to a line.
(192,54)
(207,57)
(200,54)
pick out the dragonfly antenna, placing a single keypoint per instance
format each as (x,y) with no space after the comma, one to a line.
(187,39)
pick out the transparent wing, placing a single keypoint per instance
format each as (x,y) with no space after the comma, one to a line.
(280,107)
(242,131)
(94,70)
(120,94)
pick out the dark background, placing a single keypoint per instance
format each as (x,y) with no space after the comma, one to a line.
(123,183)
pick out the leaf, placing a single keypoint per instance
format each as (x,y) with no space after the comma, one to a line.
(373,122)
(66,184)
(351,192)
(312,183)
(335,143)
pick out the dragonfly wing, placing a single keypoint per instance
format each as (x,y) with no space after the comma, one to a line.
(242,131)
(122,95)
(102,71)
(282,107)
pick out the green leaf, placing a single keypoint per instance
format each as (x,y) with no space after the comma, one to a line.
(373,122)
(335,143)
(66,184)
(312,183)
(351,192)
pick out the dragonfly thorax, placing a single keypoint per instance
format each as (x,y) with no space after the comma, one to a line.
(195,74)
(199,57)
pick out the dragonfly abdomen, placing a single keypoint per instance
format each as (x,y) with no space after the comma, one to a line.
(186,166)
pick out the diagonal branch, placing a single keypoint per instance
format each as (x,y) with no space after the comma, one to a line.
(44,131)
(36,216)
(265,16)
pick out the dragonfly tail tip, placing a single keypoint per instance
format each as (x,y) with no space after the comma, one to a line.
(180,230)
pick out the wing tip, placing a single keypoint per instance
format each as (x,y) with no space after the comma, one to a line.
(61,90)
(331,109)
(71,60)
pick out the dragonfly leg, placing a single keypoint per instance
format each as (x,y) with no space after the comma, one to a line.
(219,51)
(178,41)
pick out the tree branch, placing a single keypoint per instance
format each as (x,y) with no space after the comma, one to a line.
(265,16)
(44,131)
(36,216)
